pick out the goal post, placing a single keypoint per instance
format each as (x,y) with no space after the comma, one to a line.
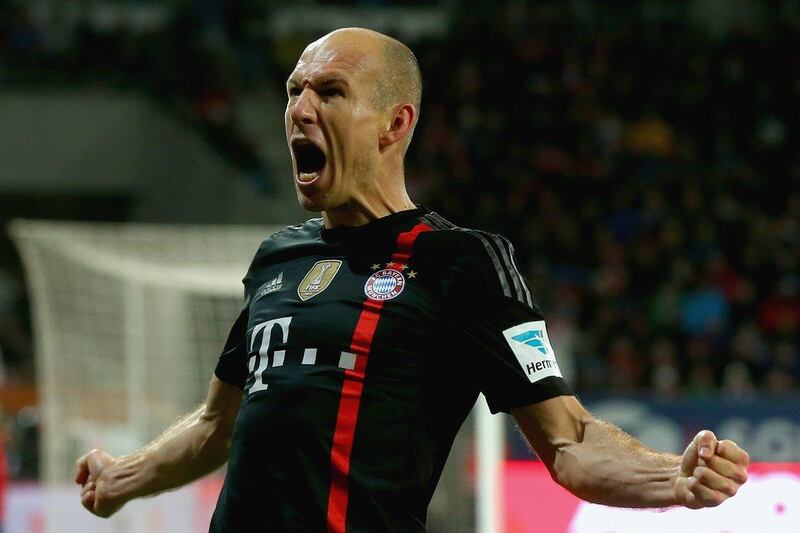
(128,321)
(490,438)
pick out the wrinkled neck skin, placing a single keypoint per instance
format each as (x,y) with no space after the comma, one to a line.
(380,198)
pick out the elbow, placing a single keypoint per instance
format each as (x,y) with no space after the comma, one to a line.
(215,443)
(562,474)
(216,430)
(567,470)
(560,466)
(219,443)
(576,486)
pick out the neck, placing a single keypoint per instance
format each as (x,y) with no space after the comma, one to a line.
(358,212)
(376,202)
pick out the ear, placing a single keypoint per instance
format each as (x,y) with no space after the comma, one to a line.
(400,127)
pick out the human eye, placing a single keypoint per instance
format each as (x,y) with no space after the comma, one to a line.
(331,92)
(293,90)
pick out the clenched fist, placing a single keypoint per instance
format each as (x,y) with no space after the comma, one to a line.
(711,471)
(95,496)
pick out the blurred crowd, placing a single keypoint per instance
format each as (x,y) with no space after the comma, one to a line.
(650,179)
(647,174)
(192,57)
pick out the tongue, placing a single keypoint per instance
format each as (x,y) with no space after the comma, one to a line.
(307,177)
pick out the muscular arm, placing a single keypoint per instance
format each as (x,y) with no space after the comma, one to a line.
(600,463)
(191,448)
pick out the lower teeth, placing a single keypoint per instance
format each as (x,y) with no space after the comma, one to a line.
(308,176)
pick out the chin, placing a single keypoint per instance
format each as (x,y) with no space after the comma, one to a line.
(317,203)
(307,203)
(310,206)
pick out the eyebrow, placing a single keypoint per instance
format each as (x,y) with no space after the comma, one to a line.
(325,80)
(329,80)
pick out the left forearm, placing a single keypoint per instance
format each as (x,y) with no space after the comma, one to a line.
(610,467)
(600,463)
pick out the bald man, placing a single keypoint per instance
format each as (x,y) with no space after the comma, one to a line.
(366,337)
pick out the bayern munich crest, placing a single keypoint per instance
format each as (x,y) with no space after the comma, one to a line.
(385,284)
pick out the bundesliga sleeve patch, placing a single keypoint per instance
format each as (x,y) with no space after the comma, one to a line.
(531,346)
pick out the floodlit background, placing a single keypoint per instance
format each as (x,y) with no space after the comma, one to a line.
(643,157)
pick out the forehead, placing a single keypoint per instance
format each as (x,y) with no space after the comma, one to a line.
(344,56)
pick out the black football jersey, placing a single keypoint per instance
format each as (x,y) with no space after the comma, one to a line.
(360,352)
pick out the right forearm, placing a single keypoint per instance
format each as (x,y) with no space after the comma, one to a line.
(189,449)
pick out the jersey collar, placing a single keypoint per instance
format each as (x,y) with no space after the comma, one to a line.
(388,225)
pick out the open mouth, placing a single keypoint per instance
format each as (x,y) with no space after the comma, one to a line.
(310,160)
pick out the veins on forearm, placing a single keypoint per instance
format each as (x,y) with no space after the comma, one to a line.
(609,466)
(180,454)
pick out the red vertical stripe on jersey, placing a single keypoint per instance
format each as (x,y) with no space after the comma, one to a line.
(352,388)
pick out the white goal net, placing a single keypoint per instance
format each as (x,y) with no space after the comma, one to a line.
(128,322)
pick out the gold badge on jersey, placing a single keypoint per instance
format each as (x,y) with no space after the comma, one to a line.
(318,278)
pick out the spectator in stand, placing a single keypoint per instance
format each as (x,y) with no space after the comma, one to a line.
(656,173)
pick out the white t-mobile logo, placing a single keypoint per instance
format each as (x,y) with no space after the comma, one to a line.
(259,361)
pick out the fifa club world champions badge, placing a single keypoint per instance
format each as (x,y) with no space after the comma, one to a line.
(385,284)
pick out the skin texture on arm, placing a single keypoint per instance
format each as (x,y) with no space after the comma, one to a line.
(190,449)
(600,463)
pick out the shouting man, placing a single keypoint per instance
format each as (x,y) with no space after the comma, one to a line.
(367,336)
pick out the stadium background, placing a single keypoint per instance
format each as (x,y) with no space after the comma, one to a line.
(642,156)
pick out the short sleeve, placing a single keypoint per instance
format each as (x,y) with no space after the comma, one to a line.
(232,364)
(500,328)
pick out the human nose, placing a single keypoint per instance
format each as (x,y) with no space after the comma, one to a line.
(304,111)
